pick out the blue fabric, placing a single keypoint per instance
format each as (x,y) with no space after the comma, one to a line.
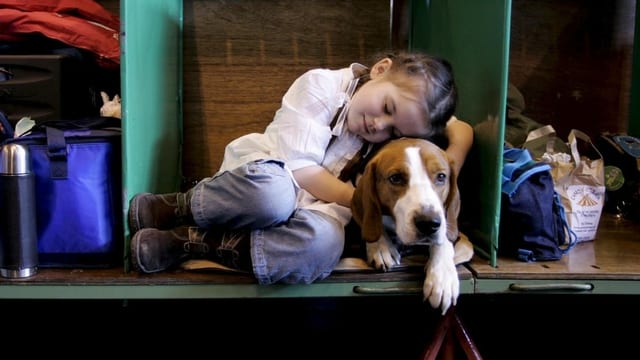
(6,129)
(533,224)
(78,206)
(517,160)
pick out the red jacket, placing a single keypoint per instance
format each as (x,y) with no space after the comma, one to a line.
(84,24)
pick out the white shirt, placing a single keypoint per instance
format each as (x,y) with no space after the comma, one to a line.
(301,131)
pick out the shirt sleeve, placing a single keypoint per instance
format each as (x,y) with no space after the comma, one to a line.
(300,131)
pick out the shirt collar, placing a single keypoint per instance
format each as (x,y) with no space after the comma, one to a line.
(351,78)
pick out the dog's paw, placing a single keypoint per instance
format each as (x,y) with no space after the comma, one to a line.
(441,285)
(382,255)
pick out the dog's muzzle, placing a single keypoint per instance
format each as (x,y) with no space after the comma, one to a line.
(427,225)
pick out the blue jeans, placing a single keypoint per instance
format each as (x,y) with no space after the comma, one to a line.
(288,244)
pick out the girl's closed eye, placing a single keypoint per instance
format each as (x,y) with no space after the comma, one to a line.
(387,109)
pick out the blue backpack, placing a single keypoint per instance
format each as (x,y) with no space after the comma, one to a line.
(533,224)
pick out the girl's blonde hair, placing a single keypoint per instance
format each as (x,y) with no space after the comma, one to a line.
(432,78)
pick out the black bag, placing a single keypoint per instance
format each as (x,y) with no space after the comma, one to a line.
(533,225)
(77,167)
(621,154)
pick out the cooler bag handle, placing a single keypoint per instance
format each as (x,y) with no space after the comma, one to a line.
(57,152)
(57,144)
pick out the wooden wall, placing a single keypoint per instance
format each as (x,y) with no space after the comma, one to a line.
(111,5)
(571,59)
(241,56)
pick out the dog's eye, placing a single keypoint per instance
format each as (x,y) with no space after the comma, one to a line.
(441,178)
(397,179)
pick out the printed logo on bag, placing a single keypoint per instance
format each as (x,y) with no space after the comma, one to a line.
(586,208)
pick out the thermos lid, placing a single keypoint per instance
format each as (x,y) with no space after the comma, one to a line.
(14,159)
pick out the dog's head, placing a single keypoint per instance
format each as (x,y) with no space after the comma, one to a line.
(411,180)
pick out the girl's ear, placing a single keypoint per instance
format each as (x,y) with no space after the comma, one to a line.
(380,67)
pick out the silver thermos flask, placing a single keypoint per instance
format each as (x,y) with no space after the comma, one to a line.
(18,232)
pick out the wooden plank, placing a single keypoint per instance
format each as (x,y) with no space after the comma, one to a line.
(612,255)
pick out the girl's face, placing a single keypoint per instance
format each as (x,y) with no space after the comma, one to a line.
(380,109)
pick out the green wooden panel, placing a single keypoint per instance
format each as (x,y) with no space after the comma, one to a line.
(564,286)
(474,37)
(151,70)
(321,289)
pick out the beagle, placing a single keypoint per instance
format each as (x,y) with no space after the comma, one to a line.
(410,185)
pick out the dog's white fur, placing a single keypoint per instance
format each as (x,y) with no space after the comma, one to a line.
(412,182)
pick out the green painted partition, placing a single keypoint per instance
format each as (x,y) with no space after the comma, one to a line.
(151,71)
(474,37)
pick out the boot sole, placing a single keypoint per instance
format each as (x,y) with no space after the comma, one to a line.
(136,245)
(135,260)
(134,255)
(134,220)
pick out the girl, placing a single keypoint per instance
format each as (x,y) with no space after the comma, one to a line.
(279,204)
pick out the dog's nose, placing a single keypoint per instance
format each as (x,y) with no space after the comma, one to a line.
(427,225)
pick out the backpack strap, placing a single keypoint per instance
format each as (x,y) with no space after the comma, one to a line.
(525,255)
(573,238)
(516,159)
(513,159)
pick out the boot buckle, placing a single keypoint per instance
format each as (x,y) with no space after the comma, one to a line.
(194,247)
(195,244)
(227,252)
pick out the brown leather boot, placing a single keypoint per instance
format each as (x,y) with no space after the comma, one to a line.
(154,250)
(160,211)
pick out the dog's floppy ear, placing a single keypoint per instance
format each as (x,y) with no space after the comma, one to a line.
(365,205)
(452,204)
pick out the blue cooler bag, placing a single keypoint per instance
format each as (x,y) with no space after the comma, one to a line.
(77,166)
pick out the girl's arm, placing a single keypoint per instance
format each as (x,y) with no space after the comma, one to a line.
(323,185)
(460,135)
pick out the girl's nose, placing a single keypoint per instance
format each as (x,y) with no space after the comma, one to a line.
(381,123)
